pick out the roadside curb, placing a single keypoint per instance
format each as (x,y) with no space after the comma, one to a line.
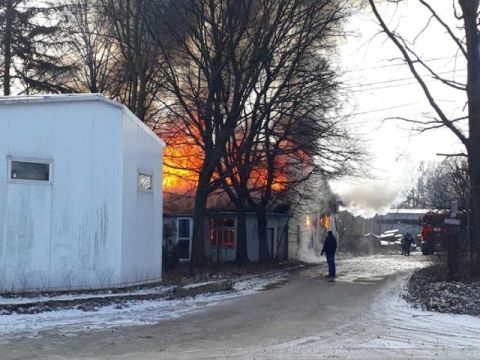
(92,303)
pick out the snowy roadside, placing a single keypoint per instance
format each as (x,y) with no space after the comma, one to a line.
(150,305)
(103,311)
(389,328)
(429,291)
(392,329)
(412,328)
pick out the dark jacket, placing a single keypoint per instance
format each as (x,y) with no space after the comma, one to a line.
(330,245)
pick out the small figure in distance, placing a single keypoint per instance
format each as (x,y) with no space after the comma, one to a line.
(329,248)
(408,243)
(403,244)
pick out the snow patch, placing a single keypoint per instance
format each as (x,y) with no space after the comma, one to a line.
(6,300)
(130,313)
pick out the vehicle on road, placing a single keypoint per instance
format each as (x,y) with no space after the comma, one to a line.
(434,232)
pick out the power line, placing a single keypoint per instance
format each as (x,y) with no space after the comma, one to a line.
(384,109)
(399,64)
(392,86)
(399,80)
(364,121)
(375,111)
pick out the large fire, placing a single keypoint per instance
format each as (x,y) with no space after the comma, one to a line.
(182,160)
(259,178)
(184,157)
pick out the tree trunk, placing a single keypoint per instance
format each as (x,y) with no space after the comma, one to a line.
(241,250)
(141,98)
(262,236)
(7,48)
(453,255)
(198,236)
(470,9)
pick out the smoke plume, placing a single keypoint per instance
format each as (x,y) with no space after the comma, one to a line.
(369,198)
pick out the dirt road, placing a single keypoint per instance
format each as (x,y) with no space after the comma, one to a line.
(357,317)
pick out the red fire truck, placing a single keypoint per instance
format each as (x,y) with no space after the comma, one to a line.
(434,232)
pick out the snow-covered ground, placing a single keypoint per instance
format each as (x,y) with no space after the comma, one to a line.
(390,328)
(372,268)
(414,328)
(69,322)
(393,327)
(361,316)
(33,299)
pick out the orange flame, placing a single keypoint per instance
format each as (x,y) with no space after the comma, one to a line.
(182,160)
(184,157)
(259,178)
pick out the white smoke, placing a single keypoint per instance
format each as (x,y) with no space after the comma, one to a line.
(369,198)
(393,172)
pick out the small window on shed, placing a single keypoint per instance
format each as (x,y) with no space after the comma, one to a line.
(30,170)
(144,182)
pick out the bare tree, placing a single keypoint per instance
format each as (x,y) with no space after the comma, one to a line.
(438,184)
(93,51)
(447,182)
(462,30)
(297,137)
(231,59)
(137,53)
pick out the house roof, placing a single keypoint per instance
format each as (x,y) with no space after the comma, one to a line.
(407,211)
(402,214)
(211,213)
(62,98)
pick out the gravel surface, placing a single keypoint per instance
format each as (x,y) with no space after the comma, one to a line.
(427,291)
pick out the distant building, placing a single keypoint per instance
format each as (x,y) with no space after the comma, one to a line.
(403,220)
(80,194)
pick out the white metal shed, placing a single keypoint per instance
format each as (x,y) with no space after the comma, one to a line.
(80,194)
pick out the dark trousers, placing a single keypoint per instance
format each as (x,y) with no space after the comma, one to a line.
(331,264)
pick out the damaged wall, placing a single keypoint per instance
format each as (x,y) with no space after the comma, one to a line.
(314,215)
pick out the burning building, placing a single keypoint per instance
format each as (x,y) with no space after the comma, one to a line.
(312,219)
(183,158)
(221,234)
(296,228)
(220,226)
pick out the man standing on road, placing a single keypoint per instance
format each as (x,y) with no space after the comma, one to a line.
(329,248)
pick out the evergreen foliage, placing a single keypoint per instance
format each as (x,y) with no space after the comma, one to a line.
(30,41)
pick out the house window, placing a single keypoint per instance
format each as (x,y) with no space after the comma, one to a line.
(144,182)
(29,170)
(222,233)
(184,228)
(184,235)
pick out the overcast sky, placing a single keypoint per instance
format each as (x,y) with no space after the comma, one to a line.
(381,86)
